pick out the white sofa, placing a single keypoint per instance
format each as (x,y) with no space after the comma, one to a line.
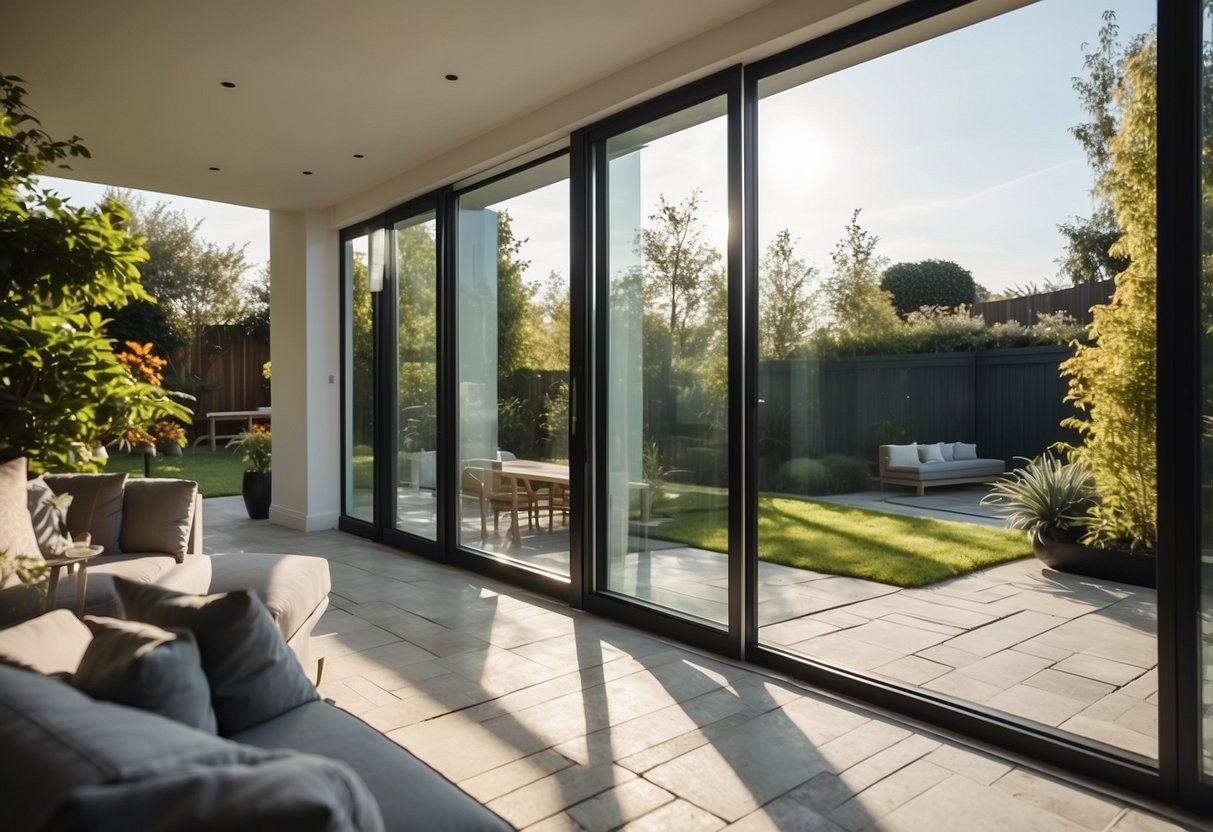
(937,463)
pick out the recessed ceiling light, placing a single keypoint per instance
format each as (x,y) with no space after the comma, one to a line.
(452,77)
(212,167)
(307,173)
(359,156)
(231,85)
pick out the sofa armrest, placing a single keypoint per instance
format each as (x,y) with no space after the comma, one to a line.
(195,543)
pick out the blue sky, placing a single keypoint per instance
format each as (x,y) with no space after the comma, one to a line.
(956,148)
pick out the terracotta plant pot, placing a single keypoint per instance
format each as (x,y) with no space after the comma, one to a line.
(257,488)
(1109,564)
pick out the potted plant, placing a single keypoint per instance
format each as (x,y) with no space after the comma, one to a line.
(1056,502)
(255,446)
(169,436)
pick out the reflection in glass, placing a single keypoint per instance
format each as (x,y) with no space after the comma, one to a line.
(414,248)
(359,447)
(667,363)
(883,217)
(513,358)
(1206,454)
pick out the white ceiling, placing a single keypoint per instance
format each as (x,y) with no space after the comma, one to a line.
(317,82)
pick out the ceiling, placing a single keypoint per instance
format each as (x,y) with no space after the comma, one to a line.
(316,82)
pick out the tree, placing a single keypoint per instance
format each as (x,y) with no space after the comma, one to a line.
(1090,240)
(785,298)
(255,304)
(61,386)
(195,282)
(857,304)
(678,264)
(1112,380)
(514,346)
(929,283)
(550,324)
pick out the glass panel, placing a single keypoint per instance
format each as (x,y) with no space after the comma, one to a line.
(415,252)
(667,363)
(909,246)
(513,312)
(359,447)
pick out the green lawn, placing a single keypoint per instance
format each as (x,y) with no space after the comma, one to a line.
(892,549)
(218,474)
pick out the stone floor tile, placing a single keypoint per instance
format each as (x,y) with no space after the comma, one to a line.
(624,803)
(514,775)
(899,637)
(1099,669)
(1035,704)
(556,792)
(345,697)
(1134,820)
(1118,736)
(785,815)
(556,823)
(959,803)
(879,766)
(1066,684)
(1143,686)
(862,742)
(663,752)
(840,649)
(913,670)
(1006,632)
(887,794)
(677,815)
(1005,668)
(950,655)
(956,684)
(1084,808)
(355,641)
(372,692)
(918,623)
(1142,718)
(978,767)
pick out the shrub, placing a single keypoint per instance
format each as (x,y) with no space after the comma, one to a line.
(847,473)
(256,447)
(1045,493)
(929,283)
(803,476)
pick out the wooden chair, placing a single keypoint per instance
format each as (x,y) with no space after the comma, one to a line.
(483,480)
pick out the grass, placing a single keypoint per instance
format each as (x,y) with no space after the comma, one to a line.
(840,540)
(218,474)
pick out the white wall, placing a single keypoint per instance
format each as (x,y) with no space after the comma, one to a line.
(304,346)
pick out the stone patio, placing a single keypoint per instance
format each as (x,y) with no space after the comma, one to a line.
(558,719)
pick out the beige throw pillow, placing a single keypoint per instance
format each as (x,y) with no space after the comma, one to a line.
(17,536)
(96,505)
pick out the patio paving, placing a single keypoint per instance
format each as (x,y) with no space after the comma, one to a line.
(557,719)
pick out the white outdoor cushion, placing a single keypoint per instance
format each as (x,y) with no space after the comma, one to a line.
(903,454)
(948,449)
(966,451)
(930,453)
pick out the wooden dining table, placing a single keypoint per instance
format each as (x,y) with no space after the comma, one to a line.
(517,471)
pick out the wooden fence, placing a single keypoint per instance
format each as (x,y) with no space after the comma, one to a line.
(1076,300)
(223,369)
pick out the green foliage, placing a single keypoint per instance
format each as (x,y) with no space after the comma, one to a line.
(785,298)
(516,423)
(860,309)
(847,473)
(61,386)
(940,283)
(944,330)
(1113,379)
(218,475)
(256,448)
(1044,493)
(803,476)
(514,346)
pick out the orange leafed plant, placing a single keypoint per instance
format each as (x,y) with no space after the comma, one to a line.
(142,363)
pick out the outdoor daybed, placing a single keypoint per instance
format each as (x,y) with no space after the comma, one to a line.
(938,463)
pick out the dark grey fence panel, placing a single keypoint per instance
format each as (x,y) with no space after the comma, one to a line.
(1020,402)
(1076,300)
(1009,402)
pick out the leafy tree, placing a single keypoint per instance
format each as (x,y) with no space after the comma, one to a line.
(417,336)
(929,283)
(514,346)
(196,282)
(550,324)
(857,304)
(1090,240)
(61,386)
(785,298)
(678,264)
(1113,379)
(255,304)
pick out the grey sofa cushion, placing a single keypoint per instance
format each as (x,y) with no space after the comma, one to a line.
(100,596)
(52,643)
(157,515)
(67,757)
(49,520)
(147,667)
(291,586)
(411,795)
(252,673)
(96,505)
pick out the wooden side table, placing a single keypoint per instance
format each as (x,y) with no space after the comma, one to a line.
(74,558)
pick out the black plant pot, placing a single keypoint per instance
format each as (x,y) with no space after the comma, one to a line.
(1109,564)
(257,490)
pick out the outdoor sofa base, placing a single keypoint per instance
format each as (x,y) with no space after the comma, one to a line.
(923,475)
